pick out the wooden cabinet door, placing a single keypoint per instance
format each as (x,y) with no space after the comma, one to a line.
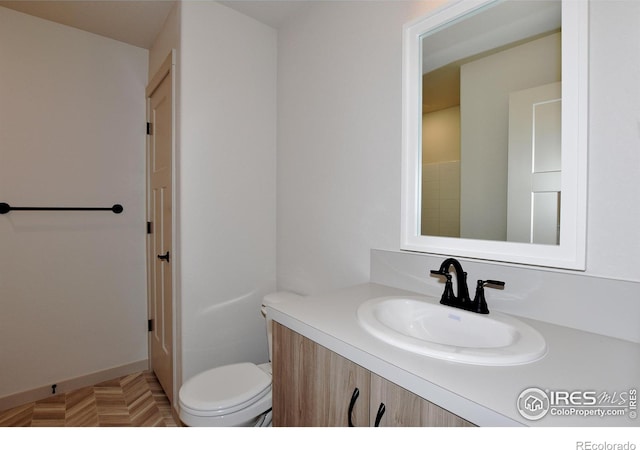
(313,386)
(403,408)
(435,416)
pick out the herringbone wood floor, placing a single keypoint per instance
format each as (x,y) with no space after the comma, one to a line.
(135,400)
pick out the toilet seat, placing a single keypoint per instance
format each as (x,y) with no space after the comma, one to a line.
(226,394)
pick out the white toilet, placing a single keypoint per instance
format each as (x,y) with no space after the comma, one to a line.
(237,395)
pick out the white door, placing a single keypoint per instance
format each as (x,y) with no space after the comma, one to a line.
(533,208)
(160,252)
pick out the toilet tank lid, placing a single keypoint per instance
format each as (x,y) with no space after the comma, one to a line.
(279,297)
(224,387)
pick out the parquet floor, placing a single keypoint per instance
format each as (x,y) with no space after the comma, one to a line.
(135,400)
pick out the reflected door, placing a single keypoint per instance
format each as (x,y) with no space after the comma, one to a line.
(535,171)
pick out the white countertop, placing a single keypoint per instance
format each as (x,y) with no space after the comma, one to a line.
(485,395)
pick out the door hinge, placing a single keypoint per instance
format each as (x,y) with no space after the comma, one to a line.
(149,228)
(149,128)
(150,325)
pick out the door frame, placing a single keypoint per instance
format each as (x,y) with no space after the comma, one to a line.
(168,67)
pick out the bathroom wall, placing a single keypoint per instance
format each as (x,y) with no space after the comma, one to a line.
(339,123)
(441,135)
(226,172)
(440,198)
(440,214)
(72,284)
(339,153)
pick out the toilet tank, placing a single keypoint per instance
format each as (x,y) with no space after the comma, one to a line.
(272,299)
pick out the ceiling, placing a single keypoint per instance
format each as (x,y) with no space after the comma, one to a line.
(271,12)
(138,22)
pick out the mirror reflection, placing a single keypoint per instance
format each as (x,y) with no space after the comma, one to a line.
(491,111)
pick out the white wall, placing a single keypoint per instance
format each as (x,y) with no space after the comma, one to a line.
(226,186)
(339,108)
(340,135)
(72,284)
(613,247)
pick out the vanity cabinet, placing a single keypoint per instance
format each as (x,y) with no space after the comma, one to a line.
(314,386)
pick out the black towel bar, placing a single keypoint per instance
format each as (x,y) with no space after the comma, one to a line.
(5,208)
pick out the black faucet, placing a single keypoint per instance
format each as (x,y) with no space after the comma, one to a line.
(448,297)
(462,300)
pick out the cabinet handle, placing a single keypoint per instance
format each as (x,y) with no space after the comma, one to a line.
(379,415)
(352,403)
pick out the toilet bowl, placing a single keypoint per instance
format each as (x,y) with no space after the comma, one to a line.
(228,396)
(236,395)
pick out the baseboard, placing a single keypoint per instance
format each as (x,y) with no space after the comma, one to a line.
(71,384)
(176,416)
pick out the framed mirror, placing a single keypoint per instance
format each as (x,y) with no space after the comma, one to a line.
(494,162)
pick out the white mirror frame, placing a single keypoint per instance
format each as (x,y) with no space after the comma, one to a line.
(570,253)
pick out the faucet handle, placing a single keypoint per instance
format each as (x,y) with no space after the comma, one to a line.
(479,302)
(447,296)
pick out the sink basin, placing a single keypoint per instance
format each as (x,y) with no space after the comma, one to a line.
(443,332)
